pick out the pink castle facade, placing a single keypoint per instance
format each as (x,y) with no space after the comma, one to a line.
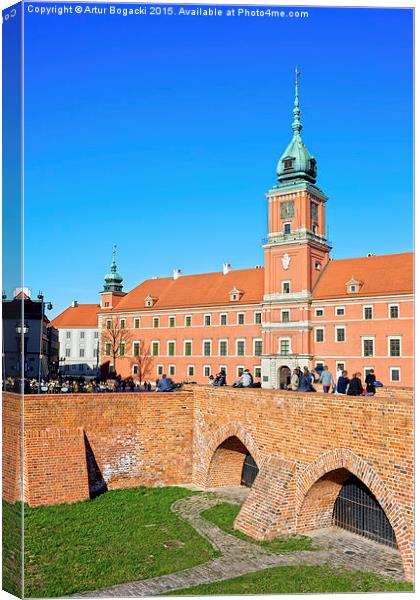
(301,308)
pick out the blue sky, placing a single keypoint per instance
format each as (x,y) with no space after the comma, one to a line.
(162,134)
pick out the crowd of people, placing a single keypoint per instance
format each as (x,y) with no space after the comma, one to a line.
(302,381)
(60,385)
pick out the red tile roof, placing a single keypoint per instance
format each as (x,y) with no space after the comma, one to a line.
(207,289)
(82,315)
(389,274)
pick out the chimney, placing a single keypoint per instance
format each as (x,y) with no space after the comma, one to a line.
(74,304)
(177,273)
(226,268)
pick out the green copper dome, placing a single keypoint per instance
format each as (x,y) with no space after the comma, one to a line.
(296,162)
(113,280)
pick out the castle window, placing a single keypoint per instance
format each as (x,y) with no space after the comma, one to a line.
(136,323)
(286,287)
(223,319)
(368,346)
(108,349)
(319,312)
(395,374)
(172,370)
(135,369)
(285,316)
(136,348)
(257,347)
(155,348)
(187,348)
(108,324)
(288,163)
(159,369)
(207,320)
(171,321)
(240,348)
(319,334)
(171,348)
(207,348)
(394,311)
(191,370)
(223,348)
(368,313)
(155,322)
(340,311)
(241,318)
(258,318)
(394,346)
(284,346)
(206,370)
(287,228)
(340,334)
(188,320)
(122,323)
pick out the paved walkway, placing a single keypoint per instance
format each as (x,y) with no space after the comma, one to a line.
(336,547)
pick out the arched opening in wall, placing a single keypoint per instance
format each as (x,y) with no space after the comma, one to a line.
(339,498)
(231,464)
(285,377)
(356,509)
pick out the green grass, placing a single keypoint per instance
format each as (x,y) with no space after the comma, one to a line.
(299,580)
(12,547)
(119,537)
(223,515)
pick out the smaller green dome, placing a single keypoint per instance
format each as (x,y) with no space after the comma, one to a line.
(113,280)
(296,161)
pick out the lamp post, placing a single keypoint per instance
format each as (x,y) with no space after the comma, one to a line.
(41,334)
(21,331)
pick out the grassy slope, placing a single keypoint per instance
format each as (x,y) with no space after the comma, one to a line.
(119,537)
(12,547)
(299,580)
(223,515)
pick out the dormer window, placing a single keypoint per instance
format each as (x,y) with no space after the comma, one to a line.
(288,163)
(312,165)
(150,301)
(235,294)
(353,286)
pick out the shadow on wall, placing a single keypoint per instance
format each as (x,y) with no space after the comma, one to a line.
(97,484)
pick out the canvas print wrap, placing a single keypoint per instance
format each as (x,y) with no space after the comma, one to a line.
(208,299)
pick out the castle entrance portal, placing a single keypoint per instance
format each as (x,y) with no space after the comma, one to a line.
(285,376)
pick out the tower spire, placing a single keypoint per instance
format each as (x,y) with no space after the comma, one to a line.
(113,280)
(296,125)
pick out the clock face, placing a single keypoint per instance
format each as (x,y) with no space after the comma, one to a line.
(287,210)
(314,212)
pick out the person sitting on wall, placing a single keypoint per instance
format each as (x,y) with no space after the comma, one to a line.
(355,386)
(370,382)
(220,378)
(294,382)
(326,379)
(305,383)
(244,380)
(164,384)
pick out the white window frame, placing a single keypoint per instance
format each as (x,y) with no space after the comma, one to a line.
(171,367)
(108,324)
(285,310)
(284,281)
(169,321)
(368,337)
(82,335)
(123,322)
(258,312)
(364,308)
(68,335)
(238,317)
(205,317)
(237,370)
(237,341)
(221,318)
(81,353)
(336,328)
(134,369)
(193,370)
(68,353)
(185,320)
(255,371)
(132,347)
(399,374)
(185,343)
(153,322)
(285,339)
(227,347)
(394,337)
(255,340)
(211,347)
(152,342)
(337,308)
(284,227)
(204,370)
(323,335)
(135,321)
(394,305)
(321,310)
(167,348)
(160,369)
(340,362)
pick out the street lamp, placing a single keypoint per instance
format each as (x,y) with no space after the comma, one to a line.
(41,332)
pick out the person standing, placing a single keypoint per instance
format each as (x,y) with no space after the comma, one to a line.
(294,382)
(305,383)
(326,379)
(370,382)
(342,383)
(355,386)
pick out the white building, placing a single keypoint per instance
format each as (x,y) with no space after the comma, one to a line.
(78,336)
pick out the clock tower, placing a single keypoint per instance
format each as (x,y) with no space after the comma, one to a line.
(295,254)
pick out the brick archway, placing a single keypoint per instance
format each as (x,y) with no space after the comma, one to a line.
(228,446)
(317,488)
